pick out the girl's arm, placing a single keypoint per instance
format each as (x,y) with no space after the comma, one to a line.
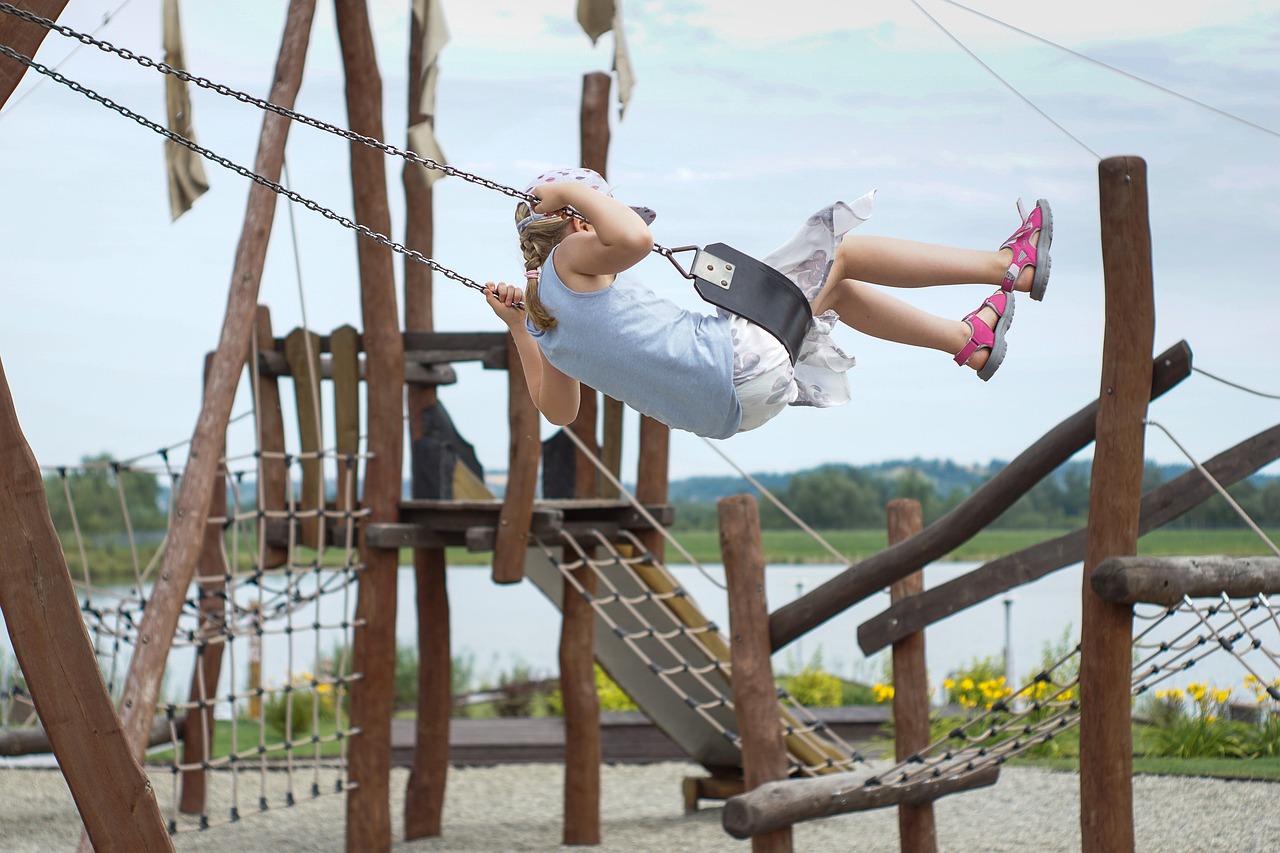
(616,240)
(556,395)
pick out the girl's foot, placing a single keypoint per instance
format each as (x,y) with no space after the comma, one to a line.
(985,348)
(1028,249)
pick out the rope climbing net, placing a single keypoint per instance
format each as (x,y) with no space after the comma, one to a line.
(255,707)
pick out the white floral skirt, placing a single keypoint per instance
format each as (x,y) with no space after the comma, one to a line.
(763,376)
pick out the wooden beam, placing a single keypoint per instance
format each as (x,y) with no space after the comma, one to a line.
(917,830)
(653,477)
(303,352)
(1159,506)
(755,696)
(522,475)
(1165,580)
(273,474)
(346,416)
(24,38)
(1115,489)
(374,654)
(867,577)
(155,632)
(54,651)
(781,804)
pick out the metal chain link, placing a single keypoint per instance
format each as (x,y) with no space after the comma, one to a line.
(261,103)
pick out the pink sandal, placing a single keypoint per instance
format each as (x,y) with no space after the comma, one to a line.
(985,336)
(1026,254)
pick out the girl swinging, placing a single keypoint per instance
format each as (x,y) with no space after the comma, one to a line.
(586,320)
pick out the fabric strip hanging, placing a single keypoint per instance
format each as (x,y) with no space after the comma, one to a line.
(429,16)
(597,17)
(187,181)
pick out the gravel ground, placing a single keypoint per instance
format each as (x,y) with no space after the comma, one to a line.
(517,808)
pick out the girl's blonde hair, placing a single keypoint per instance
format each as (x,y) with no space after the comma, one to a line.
(536,242)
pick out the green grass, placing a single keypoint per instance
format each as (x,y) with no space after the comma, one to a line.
(1266,769)
(247,743)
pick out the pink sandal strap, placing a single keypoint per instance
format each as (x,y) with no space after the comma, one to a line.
(1024,252)
(983,335)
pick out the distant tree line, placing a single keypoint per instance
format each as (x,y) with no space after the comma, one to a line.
(835,497)
(99,492)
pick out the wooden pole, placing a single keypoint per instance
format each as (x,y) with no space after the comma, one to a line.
(1106,633)
(273,474)
(755,696)
(522,475)
(917,831)
(374,654)
(186,534)
(197,729)
(582,748)
(52,645)
(652,477)
(24,38)
(424,794)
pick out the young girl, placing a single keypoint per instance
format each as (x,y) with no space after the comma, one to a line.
(717,374)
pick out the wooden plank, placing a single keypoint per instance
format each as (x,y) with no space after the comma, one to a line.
(781,804)
(427,376)
(1159,506)
(917,830)
(24,38)
(522,475)
(867,577)
(755,697)
(652,477)
(374,655)
(273,474)
(197,731)
(346,415)
(160,620)
(1115,490)
(54,651)
(1165,580)
(302,349)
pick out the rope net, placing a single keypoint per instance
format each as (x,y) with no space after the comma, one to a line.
(257,686)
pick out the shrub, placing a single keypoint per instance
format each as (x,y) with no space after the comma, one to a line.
(814,687)
(612,697)
(1195,724)
(978,685)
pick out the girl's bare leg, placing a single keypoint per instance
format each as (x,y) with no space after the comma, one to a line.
(907,263)
(874,312)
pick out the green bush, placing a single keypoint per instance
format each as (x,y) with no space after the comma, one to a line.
(290,719)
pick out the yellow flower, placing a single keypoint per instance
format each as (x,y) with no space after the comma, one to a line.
(967,684)
(948,683)
(1197,690)
(883,692)
(1222,695)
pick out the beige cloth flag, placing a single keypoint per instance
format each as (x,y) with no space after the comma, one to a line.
(597,17)
(187,181)
(429,16)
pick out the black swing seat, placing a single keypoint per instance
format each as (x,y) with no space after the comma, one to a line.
(739,283)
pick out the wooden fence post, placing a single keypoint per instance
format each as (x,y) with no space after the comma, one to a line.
(917,831)
(755,697)
(1106,736)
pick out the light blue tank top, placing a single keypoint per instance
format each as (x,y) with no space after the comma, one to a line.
(675,366)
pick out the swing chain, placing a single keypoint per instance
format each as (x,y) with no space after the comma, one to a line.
(285,112)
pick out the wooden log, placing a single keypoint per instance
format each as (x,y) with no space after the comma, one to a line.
(24,38)
(1165,580)
(302,349)
(867,577)
(35,740)
(581,711)
(346,415)
(781,804)
(611,445)
(1159,506)
(755,697)
(273,474)
(155,632)
(54,651)
(197,731)
(652,477)
(425,790)
(1115,489)
(585,475)
(374,654)
(917,830)
(522,476)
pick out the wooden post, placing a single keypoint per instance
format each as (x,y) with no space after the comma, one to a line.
(917,832)
(755,697)
(155,632)
(374,654)
(652,477)
(197,730)
(25,39)
(272,472)
(344,352)
(52,645)
(424,792)
(522,476)
(1106,633)
(302,350)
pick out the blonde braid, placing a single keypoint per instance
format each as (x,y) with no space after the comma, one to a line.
(536,242)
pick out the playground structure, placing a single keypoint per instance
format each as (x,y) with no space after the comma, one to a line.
(596,555)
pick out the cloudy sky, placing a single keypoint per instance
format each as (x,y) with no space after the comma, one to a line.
(746,117)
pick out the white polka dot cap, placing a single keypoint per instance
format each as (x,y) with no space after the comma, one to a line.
(586,176)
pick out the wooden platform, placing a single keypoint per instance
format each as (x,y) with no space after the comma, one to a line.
(627,737)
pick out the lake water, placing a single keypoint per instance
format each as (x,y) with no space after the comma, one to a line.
(500,628)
